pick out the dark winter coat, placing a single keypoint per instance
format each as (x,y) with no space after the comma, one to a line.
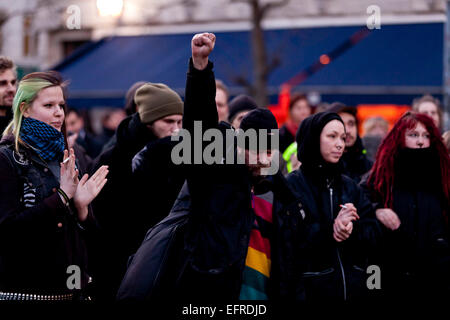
(130,204)
(4,121)
(321,267)
(91,145)
(40,237)
(286,138)
(221,215)
(416,257)
(157,180)
(355,162)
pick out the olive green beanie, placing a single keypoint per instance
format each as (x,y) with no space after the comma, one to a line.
(155,101)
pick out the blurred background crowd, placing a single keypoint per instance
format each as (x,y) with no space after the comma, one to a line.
(294,56)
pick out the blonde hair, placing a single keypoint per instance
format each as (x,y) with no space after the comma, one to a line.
(370,123)
(429,98)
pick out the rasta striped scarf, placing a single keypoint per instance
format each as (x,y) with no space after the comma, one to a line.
(43,138)
(258,263)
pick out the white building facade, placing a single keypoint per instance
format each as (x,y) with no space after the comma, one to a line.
(38,34)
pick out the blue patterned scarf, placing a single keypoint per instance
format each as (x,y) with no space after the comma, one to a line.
(46,140)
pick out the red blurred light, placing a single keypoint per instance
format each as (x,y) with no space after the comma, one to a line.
(324,59)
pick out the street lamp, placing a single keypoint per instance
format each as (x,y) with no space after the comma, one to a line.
(109,7)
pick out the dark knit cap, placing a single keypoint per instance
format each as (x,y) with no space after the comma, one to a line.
(259,119)
(155,101)
(240,103)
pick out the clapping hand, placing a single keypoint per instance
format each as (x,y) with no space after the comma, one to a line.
(88,189)
(69,174)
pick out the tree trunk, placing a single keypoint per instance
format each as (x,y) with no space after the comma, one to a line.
(259,87)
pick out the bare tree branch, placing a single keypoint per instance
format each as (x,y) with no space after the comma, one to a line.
(275,62)
(185,3)
(242,81)
(237,1)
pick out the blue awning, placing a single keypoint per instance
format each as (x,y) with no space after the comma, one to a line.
(396,62)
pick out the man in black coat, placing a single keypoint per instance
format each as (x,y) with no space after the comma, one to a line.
(222,218)
(134,202)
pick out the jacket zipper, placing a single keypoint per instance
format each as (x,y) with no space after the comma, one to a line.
(337,249)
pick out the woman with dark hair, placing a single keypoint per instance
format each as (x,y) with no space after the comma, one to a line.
(329,249)
(410,185)
(299,109)
(44,206)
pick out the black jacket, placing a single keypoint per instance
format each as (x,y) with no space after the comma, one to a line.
(320,262)
(286,138)
(415,258)
(221,215)
(130,204)
(91,145)
(5,120)
(322,268)
(40,237)
(355,161)
(156,180)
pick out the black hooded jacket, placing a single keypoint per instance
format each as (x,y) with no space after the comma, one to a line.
(321,267)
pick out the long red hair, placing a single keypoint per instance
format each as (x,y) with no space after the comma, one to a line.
(382,176)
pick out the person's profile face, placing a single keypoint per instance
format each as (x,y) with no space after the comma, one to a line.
(431,110)
(300,111)
(74,123)
(222,105)
(8,87)
(350,128)
(166,126)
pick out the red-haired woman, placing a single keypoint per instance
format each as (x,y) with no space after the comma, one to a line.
(410,184)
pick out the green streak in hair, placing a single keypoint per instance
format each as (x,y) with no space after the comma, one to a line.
(26,92)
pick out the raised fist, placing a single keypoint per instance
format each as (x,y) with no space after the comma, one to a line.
(202,44)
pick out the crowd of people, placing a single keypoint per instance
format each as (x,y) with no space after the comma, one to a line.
(115,219)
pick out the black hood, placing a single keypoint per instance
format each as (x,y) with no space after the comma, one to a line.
(308,141)
(308,137)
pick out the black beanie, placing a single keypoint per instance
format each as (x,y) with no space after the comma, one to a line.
(259,119)
(240,103)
